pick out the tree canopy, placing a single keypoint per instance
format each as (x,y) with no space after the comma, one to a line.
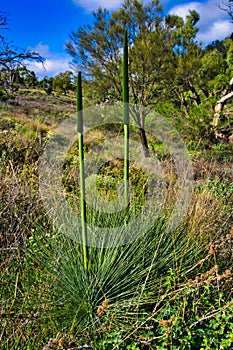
(157,45)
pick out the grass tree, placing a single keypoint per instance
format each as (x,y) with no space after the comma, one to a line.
(81,165)
(85,281)
(126,116)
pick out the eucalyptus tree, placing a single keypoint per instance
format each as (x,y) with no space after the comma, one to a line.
(12,57)
(153,52)
(188,55)
(220,84)
(20,77)
(207,89)
(62,82)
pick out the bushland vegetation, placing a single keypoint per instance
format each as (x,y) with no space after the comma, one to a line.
(164,290)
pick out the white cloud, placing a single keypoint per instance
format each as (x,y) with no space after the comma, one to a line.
(217,31)
(50,67)
(183,10)
(42,49)
(53,64)
(91,5)
(214,23)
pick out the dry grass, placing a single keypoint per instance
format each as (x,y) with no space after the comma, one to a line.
(23,135)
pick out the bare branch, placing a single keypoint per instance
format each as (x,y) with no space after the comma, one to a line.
(12,57)
(227,7)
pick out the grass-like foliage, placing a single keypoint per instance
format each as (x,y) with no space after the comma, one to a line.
(122,275)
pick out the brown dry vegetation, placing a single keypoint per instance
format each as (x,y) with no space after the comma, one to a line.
(25,124)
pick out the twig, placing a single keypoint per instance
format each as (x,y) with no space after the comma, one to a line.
(147,342)
(193,267)
(9,248)
(82,347)
(205,318)
(15,292)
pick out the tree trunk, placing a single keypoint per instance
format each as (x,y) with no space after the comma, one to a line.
(144,142)
(196,99)
(219,107)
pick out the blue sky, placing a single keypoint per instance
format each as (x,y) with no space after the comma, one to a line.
(45,25)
